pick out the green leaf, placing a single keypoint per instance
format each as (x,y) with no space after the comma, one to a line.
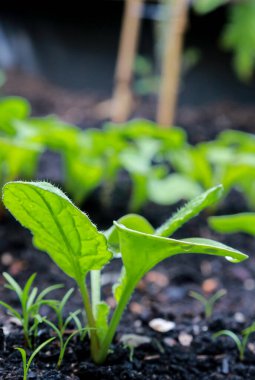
(24,359)
(140,128)
(59,228)
(231,335)
(205,6)
(120,285)
(141,252)
(12,108)
(37,350)
(11,310)
(190,210)
(102,314)
(132,221)
(13,284)
(172,189)
(243,222)
(239,36)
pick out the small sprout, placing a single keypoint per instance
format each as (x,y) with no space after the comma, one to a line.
(240,343)
(208,303)
(27,363)
(131,341)
(30,302)
(61,333)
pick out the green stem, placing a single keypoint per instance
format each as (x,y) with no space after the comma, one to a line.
(126,294)
(95,289)
(91,320)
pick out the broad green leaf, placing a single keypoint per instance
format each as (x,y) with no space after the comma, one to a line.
(49,131)
(141,252)
(82,174)
(242,141)
(134,222)
(12,108)
(18,158)
(172,189)
(59,228)
(193,163)
(244,222)
(140,128)
(190,210)
(103,310)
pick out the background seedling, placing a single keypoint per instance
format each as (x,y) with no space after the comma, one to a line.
(208,303)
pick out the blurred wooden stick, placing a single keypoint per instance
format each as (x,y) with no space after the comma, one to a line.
(171,61)
(122,96)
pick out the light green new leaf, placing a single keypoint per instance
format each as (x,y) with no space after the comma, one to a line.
(102,314)
(244,222)
(188,211)
(59,227)
(141,252)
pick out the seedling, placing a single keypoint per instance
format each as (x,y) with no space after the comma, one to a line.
(241,343)
(208,303)
(27,363)
(77,247)
(63,343)
(30,302)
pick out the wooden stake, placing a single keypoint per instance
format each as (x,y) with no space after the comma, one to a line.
(171,61)
(122,97)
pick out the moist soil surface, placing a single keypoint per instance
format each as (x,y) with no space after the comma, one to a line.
(187,350)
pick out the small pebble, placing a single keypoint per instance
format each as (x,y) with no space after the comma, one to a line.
(225,366)
(249,284)
(210,285)
(169,341)
(161,325)
(158,278)
(196,329)
(185,339)
(7,259)
(251,347)
(239,317)
(136,308)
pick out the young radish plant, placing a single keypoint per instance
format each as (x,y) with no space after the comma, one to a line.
(77,247)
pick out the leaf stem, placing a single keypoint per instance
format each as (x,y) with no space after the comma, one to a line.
(126,294)
(91,320)
(95,289)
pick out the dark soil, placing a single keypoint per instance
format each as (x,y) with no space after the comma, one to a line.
(186,352)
